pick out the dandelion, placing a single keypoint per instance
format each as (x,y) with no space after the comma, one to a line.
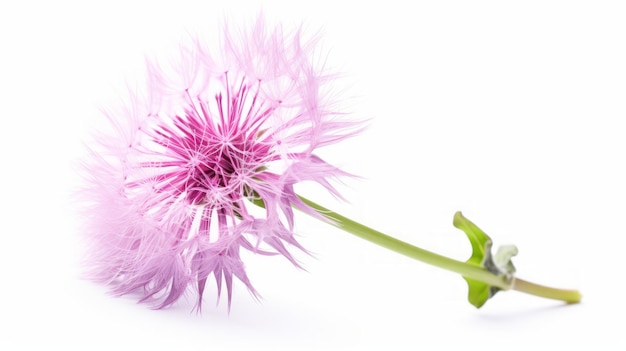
(170,195)
(204,165)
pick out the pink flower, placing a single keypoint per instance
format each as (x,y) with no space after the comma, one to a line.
(170,194)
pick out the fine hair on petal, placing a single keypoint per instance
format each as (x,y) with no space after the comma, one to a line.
(170,192)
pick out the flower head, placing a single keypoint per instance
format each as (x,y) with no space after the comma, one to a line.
(171,193)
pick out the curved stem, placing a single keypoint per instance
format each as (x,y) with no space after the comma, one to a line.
(401,247)
(465,269)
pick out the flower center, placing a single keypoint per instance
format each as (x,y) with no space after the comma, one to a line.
(219,171)
(215,149)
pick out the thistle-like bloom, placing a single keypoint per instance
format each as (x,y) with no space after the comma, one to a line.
(171,194)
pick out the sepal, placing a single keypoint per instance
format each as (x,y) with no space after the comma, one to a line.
(500,264)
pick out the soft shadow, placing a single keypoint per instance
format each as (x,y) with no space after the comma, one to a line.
(524,313)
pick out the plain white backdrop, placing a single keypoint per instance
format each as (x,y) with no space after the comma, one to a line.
(509,111)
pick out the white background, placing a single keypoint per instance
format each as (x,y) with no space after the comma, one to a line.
(509,111)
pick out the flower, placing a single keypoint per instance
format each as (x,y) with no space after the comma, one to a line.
(170,194)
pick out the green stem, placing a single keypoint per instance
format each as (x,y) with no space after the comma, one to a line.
(569,296)
(465,269)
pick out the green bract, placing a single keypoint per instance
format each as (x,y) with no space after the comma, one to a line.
(500,264)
